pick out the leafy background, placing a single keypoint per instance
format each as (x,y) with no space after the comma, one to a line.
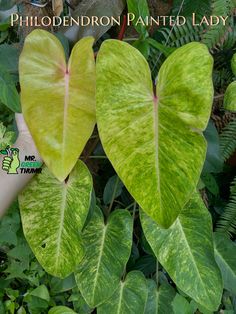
(24,286)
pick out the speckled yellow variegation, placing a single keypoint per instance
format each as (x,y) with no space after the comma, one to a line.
(58,99)
(186,252)
(155,143)
(53,214)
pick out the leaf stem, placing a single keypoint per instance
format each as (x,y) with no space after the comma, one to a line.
(157,275)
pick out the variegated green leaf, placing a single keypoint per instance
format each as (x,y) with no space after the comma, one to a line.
(58,99)
(155,143)
(129,298)
(185,250)
(159,300)
(53,215)
(108,247)
(225,254)
(230,97)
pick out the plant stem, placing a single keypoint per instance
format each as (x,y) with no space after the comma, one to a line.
(157,275)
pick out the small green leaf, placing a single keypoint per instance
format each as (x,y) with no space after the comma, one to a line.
(214,160)
(159,300)
(8,93)
(139,8)
(181,306)
(108,248)
(225,254)
(112,190)
(210,183)
(186,252)
(61,310)
(129,298)
(53,215)
(230,97)
(9,59)
(41,292)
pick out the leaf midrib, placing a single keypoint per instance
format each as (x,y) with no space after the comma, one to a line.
(194,262)
(62,217)
(99,259)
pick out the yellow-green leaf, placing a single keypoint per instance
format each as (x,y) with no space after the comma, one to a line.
(108,247)
(58,99)
(186,252)
(53,214)
(155,143)
(230,97)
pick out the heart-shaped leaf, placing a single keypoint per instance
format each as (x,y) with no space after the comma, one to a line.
(129,298)
(53,215)
(108,247)
(186,251)
(155,143)
(58,100)
(225,254)
(159,300)
(230,97)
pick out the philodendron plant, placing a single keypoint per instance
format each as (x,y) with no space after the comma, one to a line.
(155,143)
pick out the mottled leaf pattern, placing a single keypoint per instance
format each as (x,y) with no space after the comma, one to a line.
(225,254)
(58,100)
(108,247)
(159,300)
(53,215)
(155,143)
(129,298)
(185,250)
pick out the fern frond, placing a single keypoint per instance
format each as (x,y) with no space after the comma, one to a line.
(228,140)
(180,36)
(201,8)
(216,35)
(227,222)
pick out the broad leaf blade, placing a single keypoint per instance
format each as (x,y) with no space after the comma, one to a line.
(159,300)
(185,250)
(225,254)
(53,215)
(108,249)
(230,97)
(151,141)
(233,64)
(129,298)
(58,101)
